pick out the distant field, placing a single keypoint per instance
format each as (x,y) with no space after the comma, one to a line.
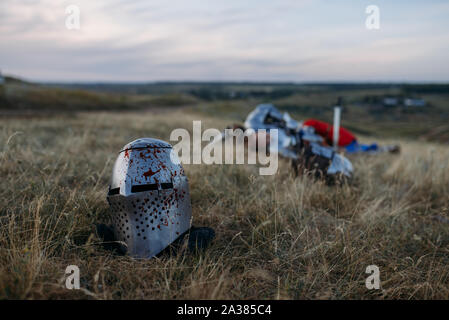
(277,237)
(235,100)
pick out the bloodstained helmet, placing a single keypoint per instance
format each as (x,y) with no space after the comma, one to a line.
(149,197)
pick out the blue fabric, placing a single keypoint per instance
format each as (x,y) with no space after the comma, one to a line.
(355,147)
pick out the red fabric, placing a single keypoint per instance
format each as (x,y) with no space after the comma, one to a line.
(326,130)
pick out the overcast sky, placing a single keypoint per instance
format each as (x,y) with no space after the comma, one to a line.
(226,40)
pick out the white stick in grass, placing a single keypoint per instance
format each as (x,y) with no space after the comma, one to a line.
(337,116)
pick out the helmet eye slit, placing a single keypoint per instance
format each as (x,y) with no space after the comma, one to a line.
(167,185)
(144,187)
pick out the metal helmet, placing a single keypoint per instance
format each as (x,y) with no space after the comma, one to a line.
(149,197)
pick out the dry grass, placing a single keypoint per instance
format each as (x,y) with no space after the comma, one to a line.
(277,237)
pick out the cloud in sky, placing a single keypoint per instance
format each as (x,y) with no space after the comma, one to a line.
(256,40)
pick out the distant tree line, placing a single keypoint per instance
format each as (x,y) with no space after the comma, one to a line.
(425,88)
(227,94)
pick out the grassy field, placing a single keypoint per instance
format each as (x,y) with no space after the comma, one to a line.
(277,237)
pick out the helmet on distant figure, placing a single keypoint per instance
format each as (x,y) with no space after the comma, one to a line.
(149,197)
